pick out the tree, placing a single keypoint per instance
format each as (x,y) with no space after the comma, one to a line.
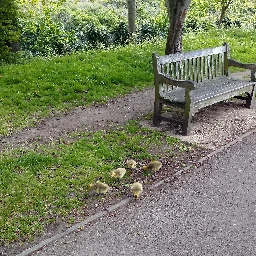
(205,13)
(224,6)
(131,18)
(177,10)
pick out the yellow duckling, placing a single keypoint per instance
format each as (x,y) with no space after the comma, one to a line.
(118,173)
(136,189)
(99,187)
(153,166)
(131,164)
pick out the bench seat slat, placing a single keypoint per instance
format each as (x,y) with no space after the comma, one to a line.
(206,90)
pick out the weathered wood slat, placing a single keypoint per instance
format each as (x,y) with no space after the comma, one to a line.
(174,82)
(190,55)
(208,67)
(215,65)
(241,65)
(222,66)
(186,70)
(205,91)
(200,74)
(212,66)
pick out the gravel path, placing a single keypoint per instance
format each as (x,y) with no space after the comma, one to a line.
(212,127)
(115,112)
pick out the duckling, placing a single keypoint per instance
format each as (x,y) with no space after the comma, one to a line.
(153,166)
(131,164)
(136,189)
(99,187)
(118,173)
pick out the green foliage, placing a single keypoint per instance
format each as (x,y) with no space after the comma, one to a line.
(9,32)
(204,14)
(46,36)
(61,31)
(58,27)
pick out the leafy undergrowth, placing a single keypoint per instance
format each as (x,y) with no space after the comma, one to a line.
(39,88)
(42,185)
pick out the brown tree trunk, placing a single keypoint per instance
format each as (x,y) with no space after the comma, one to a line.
(224,6)
(177,10)
(131,17)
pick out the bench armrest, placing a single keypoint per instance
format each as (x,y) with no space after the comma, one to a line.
(241,65)
(179,83)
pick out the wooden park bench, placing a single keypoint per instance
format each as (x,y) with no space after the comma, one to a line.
(196,79)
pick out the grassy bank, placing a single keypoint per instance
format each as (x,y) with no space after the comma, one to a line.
(44,87)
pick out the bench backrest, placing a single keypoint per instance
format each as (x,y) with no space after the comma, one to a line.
(196,65)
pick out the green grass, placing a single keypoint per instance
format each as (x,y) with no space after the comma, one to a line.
(242,42)
(47,183)
(44,87)
(40,185)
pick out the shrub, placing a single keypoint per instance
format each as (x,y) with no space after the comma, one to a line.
(59,31)
(9,32)
(84,25)
(46,35)
(120,34)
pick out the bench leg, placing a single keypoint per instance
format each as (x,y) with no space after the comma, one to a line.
(249,99)
(187,115)
(157,113)
(186,126)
